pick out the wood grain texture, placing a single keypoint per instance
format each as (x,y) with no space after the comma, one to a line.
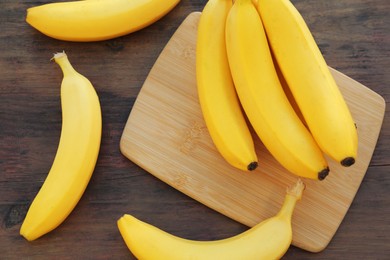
(352,34)
(167,136)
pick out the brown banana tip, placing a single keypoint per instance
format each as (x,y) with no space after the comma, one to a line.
(322,174)
(347,161)
(252,166)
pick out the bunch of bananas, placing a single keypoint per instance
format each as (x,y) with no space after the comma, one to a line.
(246,52)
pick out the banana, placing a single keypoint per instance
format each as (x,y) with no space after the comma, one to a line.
(217,96)
(263,98)
(311,83)
(96,20)
(269,239)
(75,158)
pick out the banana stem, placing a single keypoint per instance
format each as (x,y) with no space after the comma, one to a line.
(62,60)
(294,194)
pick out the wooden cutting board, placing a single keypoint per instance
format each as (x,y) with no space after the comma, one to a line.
(165,134)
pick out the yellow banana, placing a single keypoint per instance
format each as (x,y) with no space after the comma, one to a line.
(269,239)
(96,20)
(75,158)
(263,98)
(313,87)
(218,99)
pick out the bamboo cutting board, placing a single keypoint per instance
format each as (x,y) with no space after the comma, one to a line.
(165,134)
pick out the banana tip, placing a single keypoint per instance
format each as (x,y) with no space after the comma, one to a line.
(322,174)
(346,162)
(252,166)
(29,237)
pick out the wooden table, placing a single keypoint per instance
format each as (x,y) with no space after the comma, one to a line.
(354,38)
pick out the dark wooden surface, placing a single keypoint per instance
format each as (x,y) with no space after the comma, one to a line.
(354,38)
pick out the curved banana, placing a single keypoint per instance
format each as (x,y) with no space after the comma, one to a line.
(217,96)
(269,239)
(314,89)
(75,158)
(263,98)
(96,20)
